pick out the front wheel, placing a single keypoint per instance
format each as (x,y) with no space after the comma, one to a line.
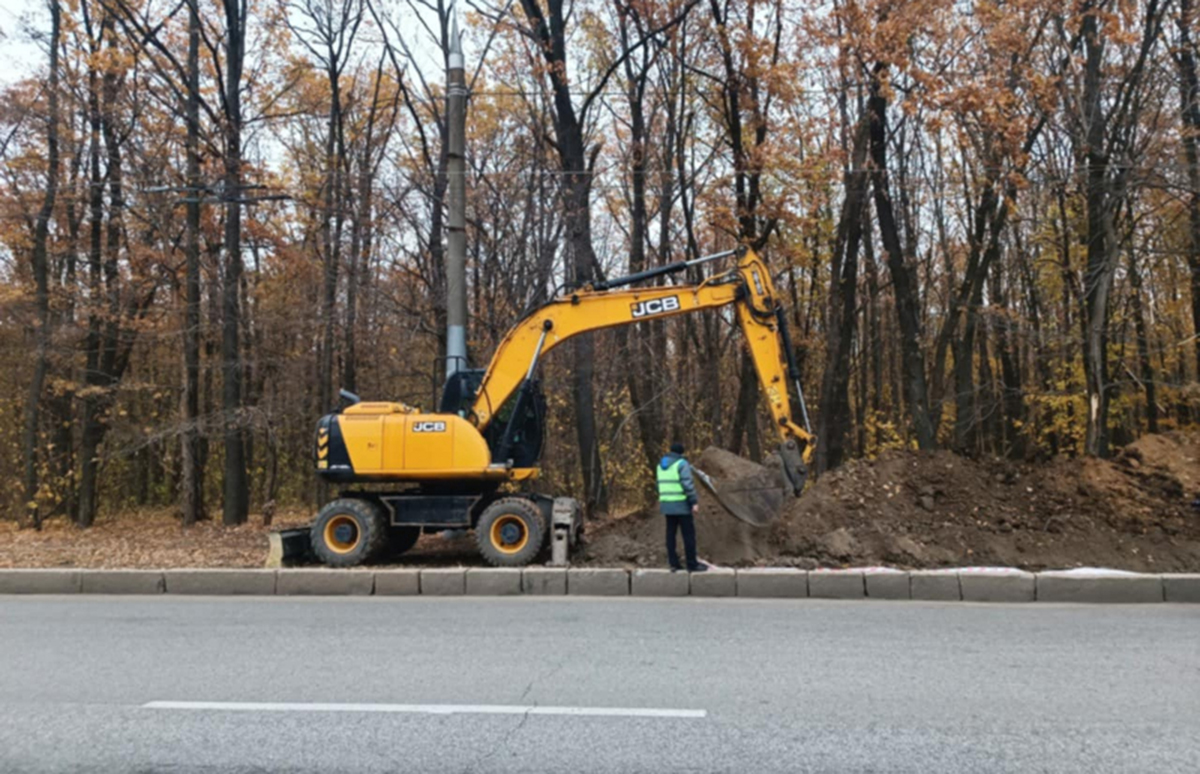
(349,532)
(509,532)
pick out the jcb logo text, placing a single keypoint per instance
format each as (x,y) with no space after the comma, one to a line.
(655,306)
(429,427)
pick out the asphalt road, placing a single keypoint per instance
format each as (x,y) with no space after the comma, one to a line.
(433,685)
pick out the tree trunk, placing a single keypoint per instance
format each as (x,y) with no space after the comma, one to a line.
(1097,279)
(745,420)
(1189,93)
(833,418)
(236,506)
(640,341)
(192,483)
(904,280)
(549,28)
(40,260)
(113,342)
(1146,370)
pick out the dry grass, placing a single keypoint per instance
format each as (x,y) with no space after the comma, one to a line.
(141,539)
(155,539)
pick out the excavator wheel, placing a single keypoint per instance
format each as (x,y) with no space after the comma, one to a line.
(400,539)
(510,532)
(349,532)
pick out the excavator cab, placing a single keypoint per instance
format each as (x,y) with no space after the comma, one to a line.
(526,432)
(459,391)
(524,422)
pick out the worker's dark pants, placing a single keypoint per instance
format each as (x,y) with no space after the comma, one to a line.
(688,525)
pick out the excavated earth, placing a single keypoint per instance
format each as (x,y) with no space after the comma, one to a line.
(916,510)
(904,509)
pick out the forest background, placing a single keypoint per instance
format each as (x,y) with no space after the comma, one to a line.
(984,218)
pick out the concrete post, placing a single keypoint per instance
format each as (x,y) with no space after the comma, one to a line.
(456,253)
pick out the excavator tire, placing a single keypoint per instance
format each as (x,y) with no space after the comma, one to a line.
(349,532)
(510,532)
(400,539)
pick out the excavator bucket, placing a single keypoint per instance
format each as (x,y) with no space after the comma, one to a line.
(759,497)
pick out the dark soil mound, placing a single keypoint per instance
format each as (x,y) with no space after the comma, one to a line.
(910,509)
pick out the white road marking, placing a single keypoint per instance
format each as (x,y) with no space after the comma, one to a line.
(429,709)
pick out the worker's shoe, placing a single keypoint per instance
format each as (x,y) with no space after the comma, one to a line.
(699,568)
(675,568)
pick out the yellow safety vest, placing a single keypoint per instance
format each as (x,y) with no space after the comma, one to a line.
(670,484)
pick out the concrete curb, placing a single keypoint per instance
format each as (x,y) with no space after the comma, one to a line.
(444,581)
(39,581)
(768,582)
(1097,587)
(220,582)
(836,584)
(324,583)
(597,582)
(969,584)
(998,586)
(716,582)
(493,581)
(544,581)
(122,582)
(660,583)
(397,583)
(886,583)
(1182,588)
(938,585)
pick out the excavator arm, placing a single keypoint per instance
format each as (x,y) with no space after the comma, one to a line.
(747,287)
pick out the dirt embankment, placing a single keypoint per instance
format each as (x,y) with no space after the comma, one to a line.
(904,509)
(909,509)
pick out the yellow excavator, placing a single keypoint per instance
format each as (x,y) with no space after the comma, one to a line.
(464,465)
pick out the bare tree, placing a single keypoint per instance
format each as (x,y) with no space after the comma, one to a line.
(40,262)
(1186,55)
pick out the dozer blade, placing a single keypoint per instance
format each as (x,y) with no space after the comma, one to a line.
(758,499)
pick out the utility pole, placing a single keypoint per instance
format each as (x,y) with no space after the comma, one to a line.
(456,255)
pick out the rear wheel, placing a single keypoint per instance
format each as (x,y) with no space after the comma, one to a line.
(349,532)
(510,532)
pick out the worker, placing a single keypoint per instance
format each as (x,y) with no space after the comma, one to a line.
(678,502)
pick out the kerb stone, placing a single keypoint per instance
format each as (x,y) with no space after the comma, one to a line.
(998,586)
(329,583)
(397,583)
(444,582)
(716,582)
(1112,589)
(39,581)
(493,581)
(660,583)
(772,582)
(886,584)
(122,582)
(548,581)
(220,582)
(934,585)
(1182,587)
(594,582)
(836,584)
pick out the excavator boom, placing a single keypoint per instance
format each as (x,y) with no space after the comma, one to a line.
(747,287)
(426,471)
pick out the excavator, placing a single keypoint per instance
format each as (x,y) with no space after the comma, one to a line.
(466,466)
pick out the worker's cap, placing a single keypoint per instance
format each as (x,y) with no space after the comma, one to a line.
(677,448)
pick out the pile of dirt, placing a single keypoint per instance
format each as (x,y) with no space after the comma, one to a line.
(910,509)
(904,509)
